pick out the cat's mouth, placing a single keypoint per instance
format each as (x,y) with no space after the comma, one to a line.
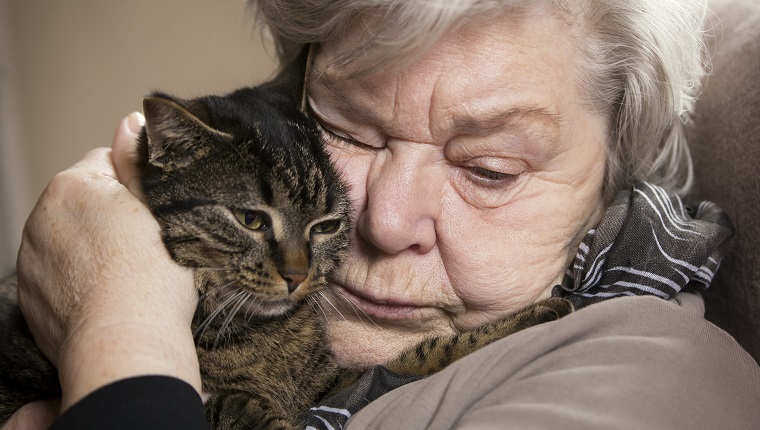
(239,301)
(259,307)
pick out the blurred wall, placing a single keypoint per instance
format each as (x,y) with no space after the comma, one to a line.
(70,70)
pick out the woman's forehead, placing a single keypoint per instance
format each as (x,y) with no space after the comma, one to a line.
(479,74)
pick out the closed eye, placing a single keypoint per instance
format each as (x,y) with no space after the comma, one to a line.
(489,174)
(336,136)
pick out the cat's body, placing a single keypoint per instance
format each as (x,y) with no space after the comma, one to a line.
(25,374)
(263,236)
(245,194)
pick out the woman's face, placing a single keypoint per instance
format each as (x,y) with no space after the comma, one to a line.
(474,172)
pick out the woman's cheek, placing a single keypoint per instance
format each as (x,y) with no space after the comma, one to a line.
(353,169)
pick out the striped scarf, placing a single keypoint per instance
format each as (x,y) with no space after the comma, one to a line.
(648,243)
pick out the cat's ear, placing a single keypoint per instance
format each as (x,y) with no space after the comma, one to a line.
(290,79)
(177,131)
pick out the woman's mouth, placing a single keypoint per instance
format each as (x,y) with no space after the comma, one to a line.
(377,307)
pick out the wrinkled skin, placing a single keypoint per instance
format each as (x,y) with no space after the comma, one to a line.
(474,176)
(475,171)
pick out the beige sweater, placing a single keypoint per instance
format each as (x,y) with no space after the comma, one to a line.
(628,363)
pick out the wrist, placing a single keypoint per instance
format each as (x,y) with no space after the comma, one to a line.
(93,358)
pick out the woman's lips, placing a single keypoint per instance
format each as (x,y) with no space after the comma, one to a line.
(385,309)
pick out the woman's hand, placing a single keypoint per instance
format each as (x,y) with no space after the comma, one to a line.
(100,293)
(35,415)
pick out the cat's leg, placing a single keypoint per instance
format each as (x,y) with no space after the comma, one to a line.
(239,410)
(432,355)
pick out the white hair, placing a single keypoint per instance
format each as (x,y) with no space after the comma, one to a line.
(642,62)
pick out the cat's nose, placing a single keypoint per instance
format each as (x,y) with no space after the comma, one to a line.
(293,279)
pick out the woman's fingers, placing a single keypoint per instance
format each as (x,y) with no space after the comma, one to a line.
(34,416)
(124,150)
(100,292)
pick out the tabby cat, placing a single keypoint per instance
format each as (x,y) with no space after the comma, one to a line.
(246,195)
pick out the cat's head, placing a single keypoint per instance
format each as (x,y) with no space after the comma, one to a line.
(244,193)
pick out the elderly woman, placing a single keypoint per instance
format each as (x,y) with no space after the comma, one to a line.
(497,153)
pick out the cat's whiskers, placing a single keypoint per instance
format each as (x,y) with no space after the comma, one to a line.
(356,308)
(249,312)
(241,298)
(321,308)
(313,301)
(224,291)
(207,322)
(327,299)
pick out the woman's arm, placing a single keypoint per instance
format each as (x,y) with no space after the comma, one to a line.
(101,295)
(142,402)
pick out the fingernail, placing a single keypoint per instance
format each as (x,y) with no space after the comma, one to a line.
(135,122)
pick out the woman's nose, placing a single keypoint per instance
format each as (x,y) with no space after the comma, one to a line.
(403,201)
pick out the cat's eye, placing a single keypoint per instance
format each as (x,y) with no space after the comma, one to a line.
(251,219)
(325,227)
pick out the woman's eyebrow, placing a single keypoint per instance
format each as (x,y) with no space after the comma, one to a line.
(528,118)
(332,87)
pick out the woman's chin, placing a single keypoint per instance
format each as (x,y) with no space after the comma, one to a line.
(360,343)
(353,352)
